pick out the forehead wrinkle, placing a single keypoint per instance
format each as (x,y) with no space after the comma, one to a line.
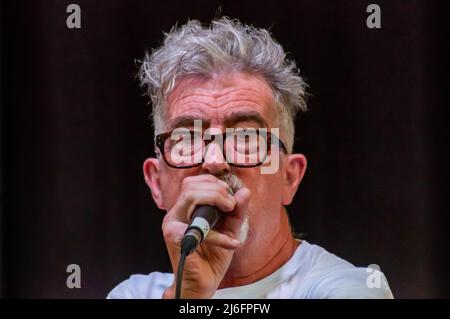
(242,95)
(194,98)
(258,89)
(216,99)
(191,102)
(255,100)
(242,89)
(241,102)
(218,115)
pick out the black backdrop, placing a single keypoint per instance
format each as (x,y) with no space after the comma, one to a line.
(75,132)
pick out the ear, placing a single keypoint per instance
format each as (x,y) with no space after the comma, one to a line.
(152,179)
(294,168)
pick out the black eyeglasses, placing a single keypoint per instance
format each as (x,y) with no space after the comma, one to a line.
(183,148)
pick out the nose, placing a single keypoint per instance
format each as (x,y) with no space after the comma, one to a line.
(214,161)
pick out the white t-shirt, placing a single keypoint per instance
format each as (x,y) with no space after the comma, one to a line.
(311,272)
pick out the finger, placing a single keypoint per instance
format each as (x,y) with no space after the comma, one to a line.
(173,231)
(187,202)
(209,186)
(224,202)
(217,239)
(204,178)
(234,221)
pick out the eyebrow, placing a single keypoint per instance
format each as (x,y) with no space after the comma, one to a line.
(187,120)
(245,116)
(235,117)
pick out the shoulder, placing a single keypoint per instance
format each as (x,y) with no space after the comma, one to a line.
(352,283)
(325,275)
(149,286)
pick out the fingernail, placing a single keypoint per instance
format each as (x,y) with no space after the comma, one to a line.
(236,242)
(230,203)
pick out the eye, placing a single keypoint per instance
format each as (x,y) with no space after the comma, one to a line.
(185,142)
(246,142)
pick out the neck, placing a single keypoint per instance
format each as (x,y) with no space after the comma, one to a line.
(254,261)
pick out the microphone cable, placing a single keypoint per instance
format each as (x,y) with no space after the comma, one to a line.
(180,275)
(188,245)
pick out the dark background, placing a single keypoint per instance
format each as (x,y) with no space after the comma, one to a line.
(75,132)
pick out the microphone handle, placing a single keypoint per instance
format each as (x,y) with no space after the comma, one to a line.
(204,218)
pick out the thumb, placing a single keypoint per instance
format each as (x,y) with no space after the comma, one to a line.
(242,200)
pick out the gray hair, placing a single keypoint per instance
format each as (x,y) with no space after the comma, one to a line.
(225,45)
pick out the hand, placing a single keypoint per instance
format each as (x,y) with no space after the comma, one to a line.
(205,267)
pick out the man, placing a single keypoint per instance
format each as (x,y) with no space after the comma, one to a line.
(230,76)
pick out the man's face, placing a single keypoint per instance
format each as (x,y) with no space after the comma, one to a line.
(229,100)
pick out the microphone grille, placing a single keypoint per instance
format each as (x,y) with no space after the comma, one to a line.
(233,182)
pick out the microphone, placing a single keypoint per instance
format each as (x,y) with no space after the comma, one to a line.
(206,217)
